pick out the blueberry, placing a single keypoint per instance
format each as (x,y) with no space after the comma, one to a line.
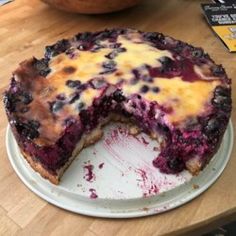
(134,81)
(70,51)
(109,64)
(73,83)
(59,47)
(134,105)
(115,45)
(136,73)
(152,36)
(27,130)
(165,61)
(143,106)
(81,106)
(222,100)
(197,52)
(98,83)
(144,89)
(155,89)
(69,121)
(24,109)
(175,164)
(121,50)
(147,79)
(10,101)
(118,96)
(61,96)
(115,53)
(217,70)
(86,36)
(81,47)
(74,97)
(34,124)
(26,98)
(111,55)
(222,91)
(56,106)
(42,66)
(212,126)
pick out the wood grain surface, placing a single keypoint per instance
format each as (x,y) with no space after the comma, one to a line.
(25,28)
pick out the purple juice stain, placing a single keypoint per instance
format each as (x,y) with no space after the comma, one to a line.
(93,194)
(89,176)
(144,141)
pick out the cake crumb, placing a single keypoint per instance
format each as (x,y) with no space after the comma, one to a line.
(145,209)
(195,186)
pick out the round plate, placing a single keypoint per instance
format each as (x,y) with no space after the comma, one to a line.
(115,177)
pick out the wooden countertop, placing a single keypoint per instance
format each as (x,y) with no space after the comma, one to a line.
(25,28)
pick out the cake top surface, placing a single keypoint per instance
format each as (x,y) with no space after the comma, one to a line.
(77,72)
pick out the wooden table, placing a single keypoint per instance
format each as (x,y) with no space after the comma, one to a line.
(25,28)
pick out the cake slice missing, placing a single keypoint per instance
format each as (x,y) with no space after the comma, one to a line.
(57,105)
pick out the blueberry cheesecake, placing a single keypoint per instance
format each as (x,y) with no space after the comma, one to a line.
(166,88)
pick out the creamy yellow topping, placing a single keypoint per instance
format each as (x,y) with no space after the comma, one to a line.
(185,99)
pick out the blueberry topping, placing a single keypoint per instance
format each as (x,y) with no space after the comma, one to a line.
(147,79)
(144,89)
(111,55)
(56,106)
(81,47)
(134,105)
(152,36)
(121,50)
(26,98)
(175,164)
(34,124)
(143,106)
(109,65)
(115,45)
(81,106)
(28,130)
(217,70)
(98,83)
(69,121)
(24,109)
(118,96)
(197,52)
(86,36)
(70,51)
(212,126)
(42,67)
(10,101)
(165,61)
(138,96)
(134,81)
(74,97)
(222,91)
(73,83)
(155,89)
(61,96)
(59,47)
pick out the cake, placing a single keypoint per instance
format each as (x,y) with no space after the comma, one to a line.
(172,91)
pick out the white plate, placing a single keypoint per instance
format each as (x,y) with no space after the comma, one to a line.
(122,182)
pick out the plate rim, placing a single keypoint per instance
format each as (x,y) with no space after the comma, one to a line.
(123,214)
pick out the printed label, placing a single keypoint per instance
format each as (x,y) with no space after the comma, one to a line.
(222,19)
